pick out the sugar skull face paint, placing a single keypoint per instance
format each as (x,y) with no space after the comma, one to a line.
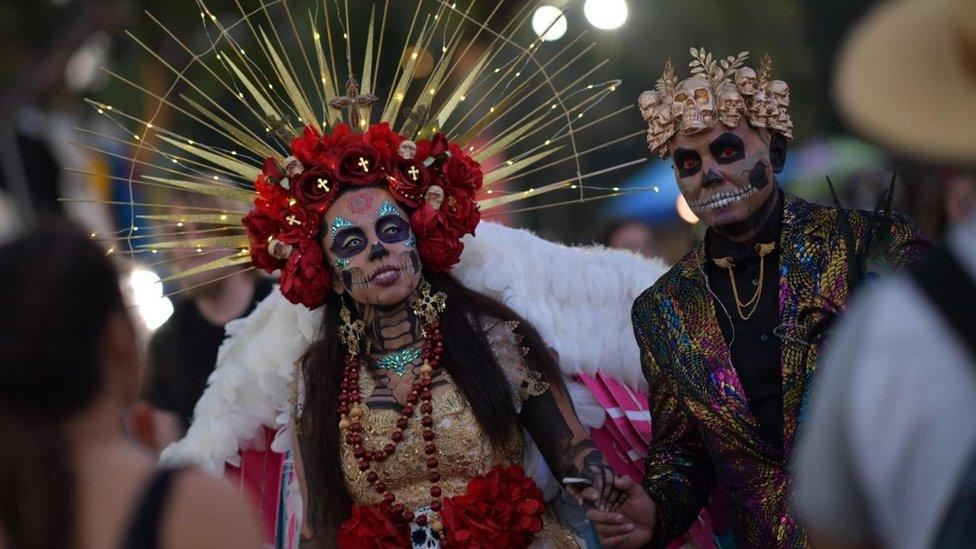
(372,247)
(724,174)
(338,224)
(388,208)
(360,202)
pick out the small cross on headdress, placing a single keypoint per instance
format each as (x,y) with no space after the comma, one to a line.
(353,101)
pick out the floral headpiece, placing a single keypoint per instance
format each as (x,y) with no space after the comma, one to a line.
(435,181)
(514,114)
(723,91)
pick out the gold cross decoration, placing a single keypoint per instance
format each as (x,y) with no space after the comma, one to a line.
(292,220)
(353,101)
(416,118)
(282,127)
(413,172)
(323,184)
(364,164)
(428,306)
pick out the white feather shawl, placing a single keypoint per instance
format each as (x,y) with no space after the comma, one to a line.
(579,298)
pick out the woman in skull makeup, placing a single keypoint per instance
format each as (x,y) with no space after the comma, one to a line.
(413,402)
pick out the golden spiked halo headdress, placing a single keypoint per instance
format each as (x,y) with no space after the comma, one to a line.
(719,91)
(224,126)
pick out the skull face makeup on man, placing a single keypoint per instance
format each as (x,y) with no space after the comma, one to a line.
(367,241)
(726,175)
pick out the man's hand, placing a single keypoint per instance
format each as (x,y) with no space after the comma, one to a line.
(632,524)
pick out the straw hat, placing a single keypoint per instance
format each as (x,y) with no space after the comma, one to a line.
(907,78)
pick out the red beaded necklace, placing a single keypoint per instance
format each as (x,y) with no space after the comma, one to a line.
(351,412)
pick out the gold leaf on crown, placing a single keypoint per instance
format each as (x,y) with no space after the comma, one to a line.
(718,91)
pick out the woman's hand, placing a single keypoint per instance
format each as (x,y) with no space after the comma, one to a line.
(631,524)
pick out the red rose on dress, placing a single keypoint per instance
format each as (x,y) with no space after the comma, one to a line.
(298,223)
(304,278)
(437,246)
(316,188)
(261,227)
(409,181)
(462,172)
(359,164)
(501,509)
(384,139)
(309,148)
(372,527)
(461,211)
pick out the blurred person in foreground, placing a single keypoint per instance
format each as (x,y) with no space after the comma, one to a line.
(183,351)
(889,456)
(730,336)
(69,367)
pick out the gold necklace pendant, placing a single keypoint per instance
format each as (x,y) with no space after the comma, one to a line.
(728,264)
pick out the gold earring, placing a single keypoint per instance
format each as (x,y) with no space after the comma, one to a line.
(428,306)
(351,333)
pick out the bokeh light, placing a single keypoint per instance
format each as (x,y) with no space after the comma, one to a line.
(606,14)
(684,211)
(147,296)
(549,23)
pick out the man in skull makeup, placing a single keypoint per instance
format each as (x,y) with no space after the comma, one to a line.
(730,336)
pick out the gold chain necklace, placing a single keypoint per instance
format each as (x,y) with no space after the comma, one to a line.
(753,303)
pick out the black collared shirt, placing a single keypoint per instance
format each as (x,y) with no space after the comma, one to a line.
(754,348)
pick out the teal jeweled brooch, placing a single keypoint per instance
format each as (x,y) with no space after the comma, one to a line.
(398,360)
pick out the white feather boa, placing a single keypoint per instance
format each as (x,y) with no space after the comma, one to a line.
(578,298)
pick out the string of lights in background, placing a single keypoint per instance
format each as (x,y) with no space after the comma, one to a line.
(549,21)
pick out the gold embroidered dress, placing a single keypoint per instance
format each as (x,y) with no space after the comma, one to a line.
(464,452)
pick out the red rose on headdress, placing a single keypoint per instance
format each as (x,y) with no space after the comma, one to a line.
(372,527)
(271,196)
(462,171)
(501,509)
(384,139)
(304,278)
(435,147)
(316,188)
(460,210)
(409,181)
(261,227)
(298,223)
(437,245)
(272,172)
(359,164)
(309,148)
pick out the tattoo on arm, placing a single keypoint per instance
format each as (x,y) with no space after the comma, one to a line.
(565,444)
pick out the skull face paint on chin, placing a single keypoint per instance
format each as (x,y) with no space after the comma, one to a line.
(724,174)
(371,247)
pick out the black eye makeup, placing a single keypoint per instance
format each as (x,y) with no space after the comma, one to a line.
(687,161)
(348,242)
(727,148)
(392,229)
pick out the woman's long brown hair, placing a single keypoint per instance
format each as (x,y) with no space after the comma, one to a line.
(468,358)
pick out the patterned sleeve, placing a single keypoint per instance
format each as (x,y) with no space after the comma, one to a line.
(679,476)
(510,354)
(907,243)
